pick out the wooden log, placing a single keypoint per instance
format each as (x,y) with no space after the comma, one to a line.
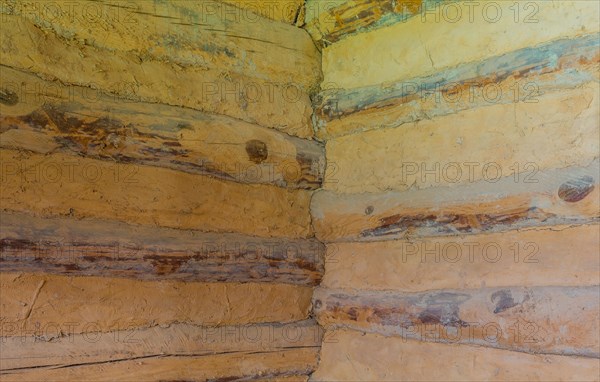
(238,366)
(63,185)
(476,144)
(176,340)
(520,76)
(208,34)
(551,197)
(47,305)
(329,22)
(423,45)
(48,117)
(353,356)
(566,255)
(97,248)
(548,320)
(127,76)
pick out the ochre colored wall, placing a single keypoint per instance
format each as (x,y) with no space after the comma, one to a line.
(460,203)
(157,163)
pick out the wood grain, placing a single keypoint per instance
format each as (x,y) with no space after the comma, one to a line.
(71,247)
(64,185)
(548,320)
(552,197)
(348,355)
(47,305)
(523,75)
(566,255)
(55,118)
(176,340)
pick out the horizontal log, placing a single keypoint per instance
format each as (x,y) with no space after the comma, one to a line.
(288,11)
(127,76)
(208,35)
(64,185)
(47,305)
(476,144)
(19,353)
(551,197)
(566,255)
(67,119)
(353,356)
(548,320)
(102,248)
(422,45)
(238,366)
(520,76)
(329,22)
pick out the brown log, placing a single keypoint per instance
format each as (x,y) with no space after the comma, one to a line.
(64,185)
(551,197)
(353,356)
(97,248)
(548,320)
(566,255)
(523,75)
(132,75)
(47,305)
(68,350)
(58,118)
(486,143)
(237,366)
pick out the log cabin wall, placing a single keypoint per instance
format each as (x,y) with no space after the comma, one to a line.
(157,163)
(460,204)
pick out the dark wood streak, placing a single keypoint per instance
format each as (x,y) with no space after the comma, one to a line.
(59,246)
(549,320)
(112,138)
(565,63)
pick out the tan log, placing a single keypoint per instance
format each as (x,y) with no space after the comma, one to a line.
(475,144)
(548,320)
(48,117)
(18,353)
(64,185)
(207,35)
(454,33)
(521,76)
(562,255)
(47,305)
(545,198)
(104,248)
(353,356)
(131,76)
(247,366)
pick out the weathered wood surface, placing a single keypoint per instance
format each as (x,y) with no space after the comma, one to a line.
(520,76)
(288,11)
(18,353)
(330,21)
(475,144)
(548,320)
(348,355)
(423,45)
(551,197)
(63,185)
(48,305)
(141,77)
(205,34)
(562,255)
(104,248)
(48,117)
(237,366)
